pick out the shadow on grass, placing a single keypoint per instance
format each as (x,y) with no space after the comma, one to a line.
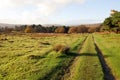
(70,54)
(107,56)
(38,56)
(58,71)
(108,75)
(35,57)
(88,54)
(79,54)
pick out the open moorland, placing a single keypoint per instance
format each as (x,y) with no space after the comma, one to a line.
(37,56)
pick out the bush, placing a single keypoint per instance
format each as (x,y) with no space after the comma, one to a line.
(72,30)
(28,29)
(81,29)
(60,30)
(61,48)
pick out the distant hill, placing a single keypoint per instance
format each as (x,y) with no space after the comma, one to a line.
(89,25)
(7,25)
(93,25)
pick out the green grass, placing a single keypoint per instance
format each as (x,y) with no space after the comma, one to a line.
(110,47)
(87,65)
(24,57)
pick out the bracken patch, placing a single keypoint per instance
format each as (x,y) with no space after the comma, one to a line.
(61,48)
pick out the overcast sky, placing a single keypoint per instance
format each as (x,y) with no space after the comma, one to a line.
(56,11)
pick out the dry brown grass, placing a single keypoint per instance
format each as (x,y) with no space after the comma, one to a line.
(46,34)
(61,48)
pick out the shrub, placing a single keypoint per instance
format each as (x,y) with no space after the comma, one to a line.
(28,29)
(61,48)
(60,30)
(72,30)
(81,29)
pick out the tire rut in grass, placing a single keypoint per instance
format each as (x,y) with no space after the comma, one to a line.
(86,66)
(67,69)
(106,69)
(60,71)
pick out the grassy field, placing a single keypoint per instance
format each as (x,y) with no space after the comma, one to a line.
(110,47)
(32,56)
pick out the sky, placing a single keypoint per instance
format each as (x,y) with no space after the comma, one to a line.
(66,12)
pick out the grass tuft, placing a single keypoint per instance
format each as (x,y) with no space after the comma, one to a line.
(61,48)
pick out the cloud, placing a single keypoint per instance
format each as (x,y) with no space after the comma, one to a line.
(31,11)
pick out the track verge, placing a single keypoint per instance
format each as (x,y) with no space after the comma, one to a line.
(106,69)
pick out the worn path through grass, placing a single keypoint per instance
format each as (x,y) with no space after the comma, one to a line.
(87,65)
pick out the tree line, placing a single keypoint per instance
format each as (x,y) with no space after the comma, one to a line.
(52,29)
(111,24)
